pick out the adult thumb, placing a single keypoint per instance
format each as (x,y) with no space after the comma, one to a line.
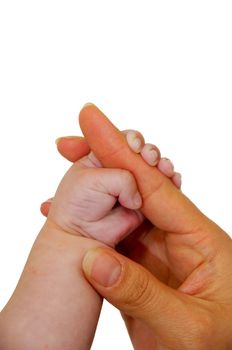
(136,292)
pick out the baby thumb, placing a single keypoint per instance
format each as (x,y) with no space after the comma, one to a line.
(134,290)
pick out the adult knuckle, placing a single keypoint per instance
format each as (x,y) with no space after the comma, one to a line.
(114,152)
(141,295)
(155,187)
(202,331)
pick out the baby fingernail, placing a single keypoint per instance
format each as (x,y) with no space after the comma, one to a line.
(177,179)
(169,167)
(153,157)
(137,200)
(169,162)
(137,145)
(134,141)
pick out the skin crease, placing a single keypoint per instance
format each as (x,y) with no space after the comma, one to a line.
(184,270)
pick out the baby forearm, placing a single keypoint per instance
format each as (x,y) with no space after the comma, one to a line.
(53,306)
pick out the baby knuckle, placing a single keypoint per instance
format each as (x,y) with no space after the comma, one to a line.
(127,177)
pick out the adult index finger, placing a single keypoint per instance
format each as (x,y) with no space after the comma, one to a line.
(163,204)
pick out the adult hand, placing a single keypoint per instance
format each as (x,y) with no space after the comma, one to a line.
(185,300)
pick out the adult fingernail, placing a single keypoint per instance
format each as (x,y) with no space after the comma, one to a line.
(64,138)
(58,140)
(101,267)
(134,141)
(87,104)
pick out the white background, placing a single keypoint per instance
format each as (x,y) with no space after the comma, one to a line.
(162,67)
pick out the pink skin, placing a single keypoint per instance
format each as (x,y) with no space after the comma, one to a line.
(85,202)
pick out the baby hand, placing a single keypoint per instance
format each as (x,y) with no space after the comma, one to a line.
(85,202)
